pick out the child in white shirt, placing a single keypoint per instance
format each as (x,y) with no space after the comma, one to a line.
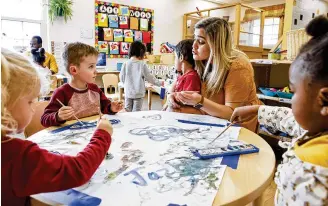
(133,74)
(302,176)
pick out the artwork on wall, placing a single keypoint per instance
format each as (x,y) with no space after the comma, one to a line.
(118,35)
(124,48)
(103,46)
(108,34)
(116,26)
(114,47)
(128,35)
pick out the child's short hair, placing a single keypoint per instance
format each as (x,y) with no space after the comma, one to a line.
(18,78)
(75,52)
(137,49)
(313,56)
(184,49)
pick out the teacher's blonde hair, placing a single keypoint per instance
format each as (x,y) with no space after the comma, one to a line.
(18,79)
(218,36)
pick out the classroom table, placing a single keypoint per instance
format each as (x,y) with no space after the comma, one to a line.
(238,187)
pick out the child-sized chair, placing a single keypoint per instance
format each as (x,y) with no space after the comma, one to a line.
(109,81)
(35,124)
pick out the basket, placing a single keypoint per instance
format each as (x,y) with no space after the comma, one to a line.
(295,39)
(267,92)
(168,59)
(285,95)
(154,58)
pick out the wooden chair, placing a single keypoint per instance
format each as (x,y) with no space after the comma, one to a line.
(53,86)
(35,124)
(109,81)
(54,83)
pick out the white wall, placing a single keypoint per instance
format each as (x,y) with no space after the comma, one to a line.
(168,21)
(307,8)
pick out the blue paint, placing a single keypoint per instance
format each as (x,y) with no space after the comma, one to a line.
(138,180)
(172,204)
(72,197)
(55,152)
(75,126)
(86,125)
(200,123)
(153,176)
(115,121)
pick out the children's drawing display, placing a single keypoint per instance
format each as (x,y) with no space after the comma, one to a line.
(150,160)
(116,26)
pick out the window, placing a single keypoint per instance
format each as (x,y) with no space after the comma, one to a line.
(20,20)
(17,34)
(271,31)
(250,33)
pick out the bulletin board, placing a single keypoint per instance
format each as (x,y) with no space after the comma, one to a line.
(117,26)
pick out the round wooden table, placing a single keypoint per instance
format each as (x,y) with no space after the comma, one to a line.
(238,187)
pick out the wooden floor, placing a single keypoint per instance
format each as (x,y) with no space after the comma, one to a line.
(156,103)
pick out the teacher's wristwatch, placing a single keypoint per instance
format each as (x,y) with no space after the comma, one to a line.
(199,105)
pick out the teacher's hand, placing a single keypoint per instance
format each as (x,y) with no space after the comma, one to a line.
(189,97)
(172,101)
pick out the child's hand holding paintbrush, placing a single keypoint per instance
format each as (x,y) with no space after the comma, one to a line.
(66,112)
(104,124)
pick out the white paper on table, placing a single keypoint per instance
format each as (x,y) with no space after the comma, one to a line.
(183,178)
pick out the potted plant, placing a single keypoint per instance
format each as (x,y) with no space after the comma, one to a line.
(60,8)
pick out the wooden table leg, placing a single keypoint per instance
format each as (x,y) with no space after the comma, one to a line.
(120,91)
(149,98)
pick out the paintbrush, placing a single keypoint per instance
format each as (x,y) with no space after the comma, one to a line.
(100,114)
(73,114)
(108,155)
(222,132)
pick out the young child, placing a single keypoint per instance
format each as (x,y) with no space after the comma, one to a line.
(189,79)
(27,169)
(81,96)
(38,56)
(302,177)
(133,74)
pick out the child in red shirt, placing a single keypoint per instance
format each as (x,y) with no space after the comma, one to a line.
(188,79)
(26,169)
(81,96)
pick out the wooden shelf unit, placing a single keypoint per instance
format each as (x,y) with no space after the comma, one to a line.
(194,17)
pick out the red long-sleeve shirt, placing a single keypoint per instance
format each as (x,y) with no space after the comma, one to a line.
(26,169)
(188,82)
(84,102)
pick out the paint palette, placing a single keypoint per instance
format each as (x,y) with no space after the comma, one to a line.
(235,147)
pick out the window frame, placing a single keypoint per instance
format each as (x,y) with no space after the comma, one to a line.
(44,30)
